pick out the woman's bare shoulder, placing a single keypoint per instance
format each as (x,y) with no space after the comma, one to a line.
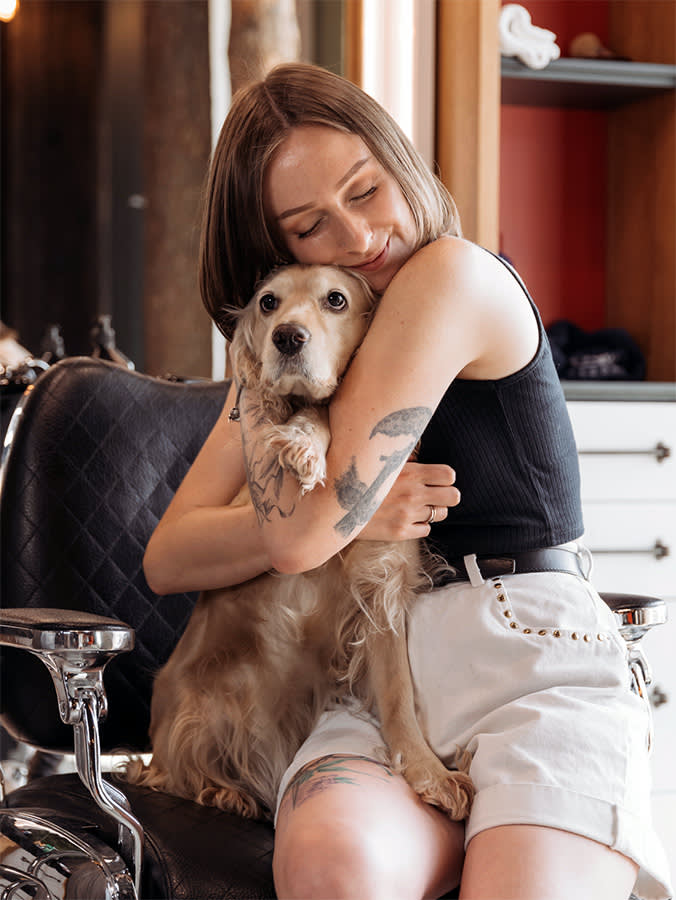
(476,296)
(452,268)
(456,261)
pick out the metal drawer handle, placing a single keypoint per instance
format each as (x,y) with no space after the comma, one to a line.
(658,550)
(658,697)
(660,451)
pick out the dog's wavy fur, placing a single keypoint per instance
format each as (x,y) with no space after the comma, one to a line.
(259,662)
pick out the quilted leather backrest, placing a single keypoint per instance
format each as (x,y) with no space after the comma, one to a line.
(96,459)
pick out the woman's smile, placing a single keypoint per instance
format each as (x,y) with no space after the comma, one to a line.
(372,265)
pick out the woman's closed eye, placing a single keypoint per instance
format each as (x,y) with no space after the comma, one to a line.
(369,193)
(356,199)
(310,231)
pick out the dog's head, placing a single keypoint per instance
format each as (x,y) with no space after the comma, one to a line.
(297,334)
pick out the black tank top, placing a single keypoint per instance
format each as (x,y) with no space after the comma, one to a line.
(511,444)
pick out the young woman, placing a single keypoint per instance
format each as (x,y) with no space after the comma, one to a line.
(516,659)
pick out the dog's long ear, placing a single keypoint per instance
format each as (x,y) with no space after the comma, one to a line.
(246,367)
(372,297)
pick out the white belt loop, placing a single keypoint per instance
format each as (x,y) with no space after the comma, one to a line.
(586,560)
(475,576)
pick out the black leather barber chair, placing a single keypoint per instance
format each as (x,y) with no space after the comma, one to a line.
(94,454)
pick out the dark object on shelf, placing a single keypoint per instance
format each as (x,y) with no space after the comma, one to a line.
(103,341)
(52,346)
(584,83)
(610,354)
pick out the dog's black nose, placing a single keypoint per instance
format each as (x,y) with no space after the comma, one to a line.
(289,339)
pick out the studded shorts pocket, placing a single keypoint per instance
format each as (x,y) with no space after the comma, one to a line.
(554,607)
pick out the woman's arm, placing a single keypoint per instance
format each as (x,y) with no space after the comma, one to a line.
(451,310)
(200,541)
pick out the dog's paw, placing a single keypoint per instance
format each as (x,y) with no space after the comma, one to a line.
(299,453)
(454,794)
(230,799)
(449,789)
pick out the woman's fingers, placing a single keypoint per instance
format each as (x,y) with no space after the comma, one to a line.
(436,489)
(433,514)
(420,496)
(432,473)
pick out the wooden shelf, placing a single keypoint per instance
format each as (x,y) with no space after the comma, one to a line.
(583,83)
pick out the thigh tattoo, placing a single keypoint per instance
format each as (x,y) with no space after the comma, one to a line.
(322,774)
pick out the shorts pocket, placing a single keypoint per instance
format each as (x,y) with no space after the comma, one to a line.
(554,606)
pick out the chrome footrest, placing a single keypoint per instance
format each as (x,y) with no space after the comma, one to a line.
(58,858)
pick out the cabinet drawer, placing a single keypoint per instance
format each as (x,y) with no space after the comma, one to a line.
(623,538)
(616,425)
(658,646)
(627,450)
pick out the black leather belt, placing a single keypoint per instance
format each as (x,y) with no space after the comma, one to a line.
(552,559)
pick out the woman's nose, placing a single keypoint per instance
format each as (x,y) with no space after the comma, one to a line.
(356,233)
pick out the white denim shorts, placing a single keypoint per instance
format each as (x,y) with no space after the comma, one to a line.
(529,673)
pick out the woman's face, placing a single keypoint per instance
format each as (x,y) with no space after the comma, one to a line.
(335,204)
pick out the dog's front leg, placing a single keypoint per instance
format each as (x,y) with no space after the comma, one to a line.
(301,444)
(392,685)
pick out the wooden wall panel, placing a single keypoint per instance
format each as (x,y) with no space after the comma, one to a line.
(468,112)
(263,33)
(176,147)
(50,69)
(353,20)
(641,294)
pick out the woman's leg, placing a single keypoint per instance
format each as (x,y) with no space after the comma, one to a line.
(530,862)
(349,828)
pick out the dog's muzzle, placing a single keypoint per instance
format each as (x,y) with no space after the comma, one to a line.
(290,339)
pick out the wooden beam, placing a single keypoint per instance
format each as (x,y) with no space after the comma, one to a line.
(176,149)
(468,112)
(263,33)
(641,264)
(353,40)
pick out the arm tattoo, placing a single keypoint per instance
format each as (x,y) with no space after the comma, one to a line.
(362,500)
(265,477)
(324,773)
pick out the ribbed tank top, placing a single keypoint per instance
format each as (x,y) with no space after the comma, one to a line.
(511,444)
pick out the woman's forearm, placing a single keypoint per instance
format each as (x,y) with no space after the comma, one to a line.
(207,547)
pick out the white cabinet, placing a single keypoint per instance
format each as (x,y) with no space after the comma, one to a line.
(627,454)
(628,468)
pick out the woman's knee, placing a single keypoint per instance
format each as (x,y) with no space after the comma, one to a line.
(365,834)
(368,856)
(332,860)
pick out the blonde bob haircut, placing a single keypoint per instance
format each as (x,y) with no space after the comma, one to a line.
(238,245)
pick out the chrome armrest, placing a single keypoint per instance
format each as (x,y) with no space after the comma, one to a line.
(636,615)
(76,647)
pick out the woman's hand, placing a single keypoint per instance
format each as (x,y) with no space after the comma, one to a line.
(406,510)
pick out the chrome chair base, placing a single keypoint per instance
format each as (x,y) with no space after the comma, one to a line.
(58,857)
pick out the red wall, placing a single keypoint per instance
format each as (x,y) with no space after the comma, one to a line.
(553,186)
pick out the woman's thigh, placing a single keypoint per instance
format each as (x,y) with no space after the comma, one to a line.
(531,862)
(350,828)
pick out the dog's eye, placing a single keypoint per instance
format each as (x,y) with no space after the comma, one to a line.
(336,300)
(268,303)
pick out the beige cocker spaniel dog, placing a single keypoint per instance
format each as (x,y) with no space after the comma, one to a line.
(260,661)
